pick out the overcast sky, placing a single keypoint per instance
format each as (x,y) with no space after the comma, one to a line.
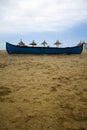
(51,20)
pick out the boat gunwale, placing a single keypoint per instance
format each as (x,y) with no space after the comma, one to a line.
(44,47)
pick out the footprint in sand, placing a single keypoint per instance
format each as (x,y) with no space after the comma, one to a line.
(2,65)
(4,91)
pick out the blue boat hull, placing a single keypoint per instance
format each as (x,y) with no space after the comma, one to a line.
(15,49)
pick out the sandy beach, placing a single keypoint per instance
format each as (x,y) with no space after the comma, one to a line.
(43,92)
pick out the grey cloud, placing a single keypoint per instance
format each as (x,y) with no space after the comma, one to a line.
(40,15)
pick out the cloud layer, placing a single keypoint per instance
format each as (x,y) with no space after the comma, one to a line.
(41,15)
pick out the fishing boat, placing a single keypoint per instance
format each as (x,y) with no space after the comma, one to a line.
(17,49)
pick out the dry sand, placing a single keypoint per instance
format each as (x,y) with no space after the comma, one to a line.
(43,92)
